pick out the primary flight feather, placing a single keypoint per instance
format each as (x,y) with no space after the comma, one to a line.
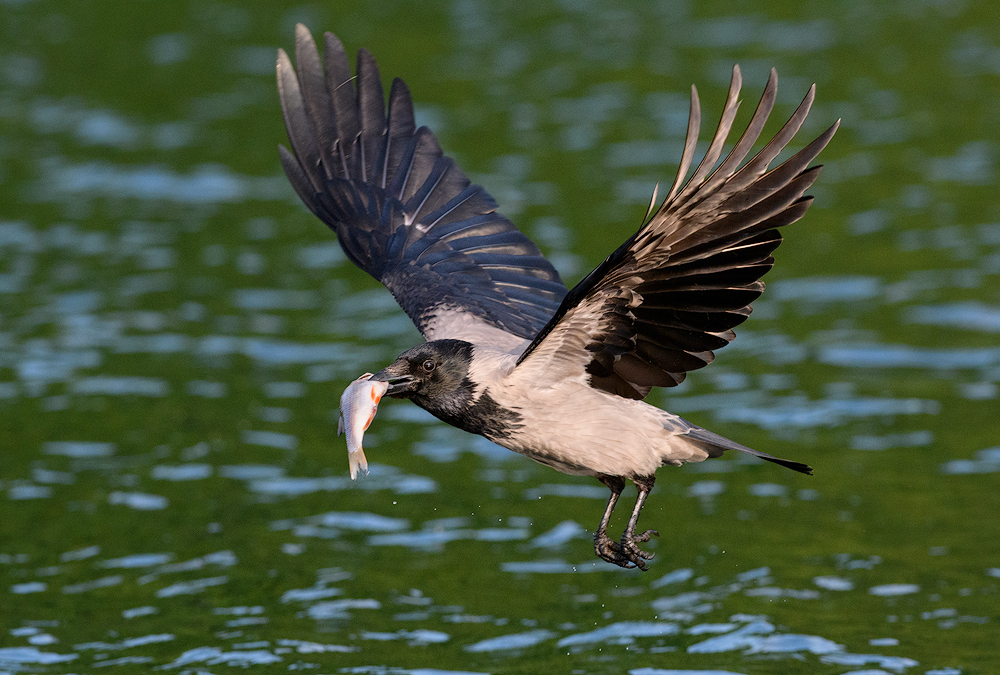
(558,375)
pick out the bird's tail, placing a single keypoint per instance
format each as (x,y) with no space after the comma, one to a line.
(715,445)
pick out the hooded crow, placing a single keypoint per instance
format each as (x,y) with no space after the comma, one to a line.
(511,354)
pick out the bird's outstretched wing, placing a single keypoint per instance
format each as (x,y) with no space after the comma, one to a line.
(402,211)
(669,296)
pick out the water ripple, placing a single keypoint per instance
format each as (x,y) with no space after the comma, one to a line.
(16,657)
(213,656)
(511,641)
(623,632)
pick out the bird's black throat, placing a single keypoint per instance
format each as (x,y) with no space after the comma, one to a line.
(453,396)
(482,415)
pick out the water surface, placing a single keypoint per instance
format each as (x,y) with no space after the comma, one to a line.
(175,332)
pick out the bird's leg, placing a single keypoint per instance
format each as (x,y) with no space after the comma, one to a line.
(604,547)
(630,540)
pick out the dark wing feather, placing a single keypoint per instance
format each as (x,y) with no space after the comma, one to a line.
(671,295)
(402,211)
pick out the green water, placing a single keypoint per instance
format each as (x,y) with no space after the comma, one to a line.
(176,330)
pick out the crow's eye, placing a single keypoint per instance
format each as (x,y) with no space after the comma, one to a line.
(429,366)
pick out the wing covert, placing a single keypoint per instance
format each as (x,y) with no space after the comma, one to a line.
(672,294)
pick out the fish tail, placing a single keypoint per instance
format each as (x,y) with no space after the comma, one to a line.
(357,459)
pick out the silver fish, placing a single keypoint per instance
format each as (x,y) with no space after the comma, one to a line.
(358,405)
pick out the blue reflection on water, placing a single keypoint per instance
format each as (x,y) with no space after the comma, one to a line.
(986,461)
(206,184)
(870,355)
(969,315)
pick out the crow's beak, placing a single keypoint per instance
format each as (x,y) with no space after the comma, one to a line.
(398,378)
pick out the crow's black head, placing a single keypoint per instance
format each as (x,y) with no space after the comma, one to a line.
(435,376)
(432,374)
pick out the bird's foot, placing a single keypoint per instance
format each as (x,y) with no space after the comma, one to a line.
(626,554)
(610,550)
(629,547)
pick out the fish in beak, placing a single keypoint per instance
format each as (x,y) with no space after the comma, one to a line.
(358,406)
(398,378)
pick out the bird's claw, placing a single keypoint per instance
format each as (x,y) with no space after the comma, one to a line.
(646,536)
(626,554)
(630,547)
(607,549)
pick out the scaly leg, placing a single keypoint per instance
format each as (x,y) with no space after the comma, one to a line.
(629,547)
(605,548)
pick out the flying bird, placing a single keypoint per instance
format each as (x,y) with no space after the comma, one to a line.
(556,374)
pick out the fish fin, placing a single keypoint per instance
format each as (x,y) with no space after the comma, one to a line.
(357,459)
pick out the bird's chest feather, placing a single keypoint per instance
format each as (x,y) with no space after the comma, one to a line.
(579,430)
